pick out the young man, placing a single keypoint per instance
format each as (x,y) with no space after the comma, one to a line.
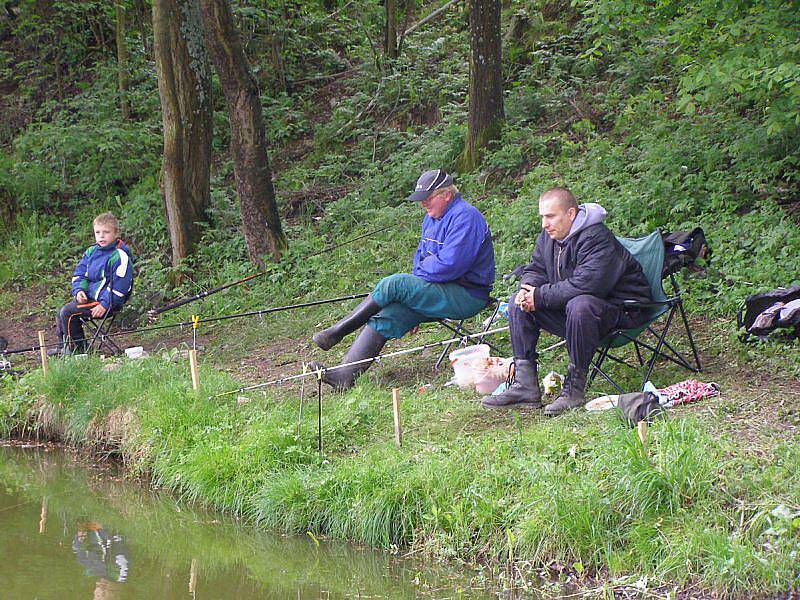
(100,283)
(451,278)
(574,287)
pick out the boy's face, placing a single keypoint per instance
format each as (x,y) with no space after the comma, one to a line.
(104,234)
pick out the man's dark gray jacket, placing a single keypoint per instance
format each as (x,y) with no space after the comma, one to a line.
(590,260)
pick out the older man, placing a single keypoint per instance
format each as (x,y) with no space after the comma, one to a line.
(574,287)
(451,278)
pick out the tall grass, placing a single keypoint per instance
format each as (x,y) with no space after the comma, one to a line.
(579,491)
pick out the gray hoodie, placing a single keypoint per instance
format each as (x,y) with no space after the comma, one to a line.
(590,213)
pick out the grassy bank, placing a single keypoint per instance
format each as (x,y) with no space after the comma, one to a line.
(704,505)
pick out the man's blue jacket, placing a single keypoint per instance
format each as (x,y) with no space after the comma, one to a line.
(102,270)
(457,248)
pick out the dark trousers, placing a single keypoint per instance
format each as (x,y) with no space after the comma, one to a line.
(584,322)
(68,323)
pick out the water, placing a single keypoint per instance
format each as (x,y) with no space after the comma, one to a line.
(71,530)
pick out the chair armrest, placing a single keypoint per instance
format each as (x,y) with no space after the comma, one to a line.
(651,304)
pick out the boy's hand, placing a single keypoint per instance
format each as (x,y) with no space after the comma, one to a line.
(81,297)
(98,311)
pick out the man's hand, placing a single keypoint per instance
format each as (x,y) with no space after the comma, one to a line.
(524,298)
(98,311)
(81,297)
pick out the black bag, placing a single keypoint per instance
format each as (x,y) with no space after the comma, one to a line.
(757,305)
(639,406)
(683,248)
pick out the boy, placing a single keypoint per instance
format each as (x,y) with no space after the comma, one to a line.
(101,283)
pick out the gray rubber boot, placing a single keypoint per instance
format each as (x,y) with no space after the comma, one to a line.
(328,338)
(523,392)
(571,395)
(368,344)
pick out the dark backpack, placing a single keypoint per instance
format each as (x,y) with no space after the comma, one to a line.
(683,248)
(763,305)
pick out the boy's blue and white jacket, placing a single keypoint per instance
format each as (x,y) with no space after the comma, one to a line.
(457,248)
(105,273)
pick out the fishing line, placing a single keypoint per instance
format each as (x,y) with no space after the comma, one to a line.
(196,321)
(157,311)
(321,371)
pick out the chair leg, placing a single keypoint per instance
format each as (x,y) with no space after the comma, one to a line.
(595,367)
(676,356)
(638,352)
(462,331)
(689,335)
(489,322)
(111,345)
(95,336)
(100,334)
(457,329)
(651,365)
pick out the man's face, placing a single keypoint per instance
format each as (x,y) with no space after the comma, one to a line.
(556,220)
(104,234)
(436,203)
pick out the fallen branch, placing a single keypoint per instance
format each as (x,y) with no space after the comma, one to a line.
(430,17)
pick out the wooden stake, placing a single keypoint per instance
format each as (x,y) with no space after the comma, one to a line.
(43,351)
(641,430)
(398,434)
(193,367)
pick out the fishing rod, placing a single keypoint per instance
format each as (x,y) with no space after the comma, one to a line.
(252,313)
(319,372)
(151,314)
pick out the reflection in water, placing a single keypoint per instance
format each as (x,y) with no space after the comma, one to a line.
(77,532)
(103,556)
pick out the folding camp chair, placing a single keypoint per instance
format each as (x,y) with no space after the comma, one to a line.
(98,330)
(649,252)
(460,332)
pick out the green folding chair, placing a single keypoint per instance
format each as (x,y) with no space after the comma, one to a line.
(649,252)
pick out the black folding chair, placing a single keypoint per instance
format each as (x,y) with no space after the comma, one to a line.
(98,330)
(649,252)
(460,331)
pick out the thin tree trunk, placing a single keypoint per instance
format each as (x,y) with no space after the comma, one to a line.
(409,9)
(260,219)
(184,86)
(390,31)
(56,42)
(277,37)
(122,61)
(485,80)
(141,17)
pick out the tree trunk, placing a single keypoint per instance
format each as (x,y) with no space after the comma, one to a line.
(184,86)
(122,61)
(141,17)
(390,31)
(260,220)
(485,80)
(277,37)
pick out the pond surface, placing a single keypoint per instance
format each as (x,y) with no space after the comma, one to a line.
(71,530)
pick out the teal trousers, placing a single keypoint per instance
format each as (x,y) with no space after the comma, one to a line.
(406,301)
